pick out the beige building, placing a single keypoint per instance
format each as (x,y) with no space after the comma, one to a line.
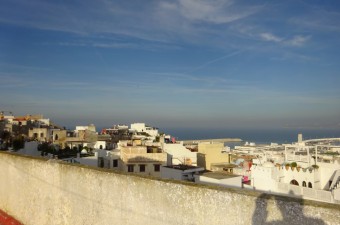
(211,153)
(39,134)
(82,138)
(59,138)
(142,159)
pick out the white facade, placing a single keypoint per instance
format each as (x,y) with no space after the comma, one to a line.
(178,154)
(180,172)
(100,145)
(263,177)
(90,127)
(220,179)
(310,183)
(140,127)
(44,121)
(31,148)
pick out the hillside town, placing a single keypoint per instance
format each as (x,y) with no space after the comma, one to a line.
(308,169)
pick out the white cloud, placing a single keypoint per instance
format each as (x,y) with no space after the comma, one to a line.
(214,11)
(270,37)
(297,40)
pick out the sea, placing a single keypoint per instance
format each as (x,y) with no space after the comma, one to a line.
(258,136)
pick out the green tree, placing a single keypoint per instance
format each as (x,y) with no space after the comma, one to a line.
(18,143)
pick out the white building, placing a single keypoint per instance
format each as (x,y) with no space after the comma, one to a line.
(142,128)
(305,171)
(178,154)
(90,127)
(220,179)
(180,172)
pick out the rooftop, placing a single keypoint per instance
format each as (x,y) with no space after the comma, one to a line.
(183,167)
(219,175)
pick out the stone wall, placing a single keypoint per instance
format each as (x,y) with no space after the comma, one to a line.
(37,191)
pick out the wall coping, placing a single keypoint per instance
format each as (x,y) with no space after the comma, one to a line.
(250,193)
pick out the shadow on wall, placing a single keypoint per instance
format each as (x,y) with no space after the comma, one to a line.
(291,212)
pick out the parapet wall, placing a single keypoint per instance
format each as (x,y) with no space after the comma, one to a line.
(36,191)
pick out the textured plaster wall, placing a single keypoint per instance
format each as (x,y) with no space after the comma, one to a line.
(49,192)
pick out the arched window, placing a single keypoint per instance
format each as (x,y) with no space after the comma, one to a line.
(56,137)
(294,182)
(304,184)
(310,185)
(101,147)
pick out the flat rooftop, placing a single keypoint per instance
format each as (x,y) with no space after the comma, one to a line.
(223,165)
(184,167)
(219,175)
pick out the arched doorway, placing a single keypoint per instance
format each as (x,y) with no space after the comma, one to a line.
(304,184)
(294,182)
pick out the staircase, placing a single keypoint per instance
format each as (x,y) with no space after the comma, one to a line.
(336,181)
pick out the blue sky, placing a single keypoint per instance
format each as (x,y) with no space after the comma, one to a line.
(179,63)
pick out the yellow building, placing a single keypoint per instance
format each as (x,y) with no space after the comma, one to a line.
(211,153)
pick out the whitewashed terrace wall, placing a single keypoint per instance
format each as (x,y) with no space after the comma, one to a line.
(37,191)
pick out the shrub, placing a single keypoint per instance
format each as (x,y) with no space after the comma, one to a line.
(18,143)
(293,164)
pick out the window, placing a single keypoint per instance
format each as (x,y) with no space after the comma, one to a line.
(130,168)
(157,167)
(141,168)
(304,184)
(310,185)
(42,135)
(56,137)
(115,163)
(294,182)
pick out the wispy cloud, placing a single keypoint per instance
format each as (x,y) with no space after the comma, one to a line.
(150,46)
(215,11)
(289,55)
(160,21)
(216,60)
(297,41)
(270,37)
(9,80)
(99,45)
(318,19)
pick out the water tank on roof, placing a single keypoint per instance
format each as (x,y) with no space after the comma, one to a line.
(83,151)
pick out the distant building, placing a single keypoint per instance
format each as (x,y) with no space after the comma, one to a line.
(309,169)
(90,127)
(220,179)
(178,154)
(210,153)
(142,128)
(39,134)
(180,172)
(142,159)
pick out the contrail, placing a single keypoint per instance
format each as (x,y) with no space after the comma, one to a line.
(216,60)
